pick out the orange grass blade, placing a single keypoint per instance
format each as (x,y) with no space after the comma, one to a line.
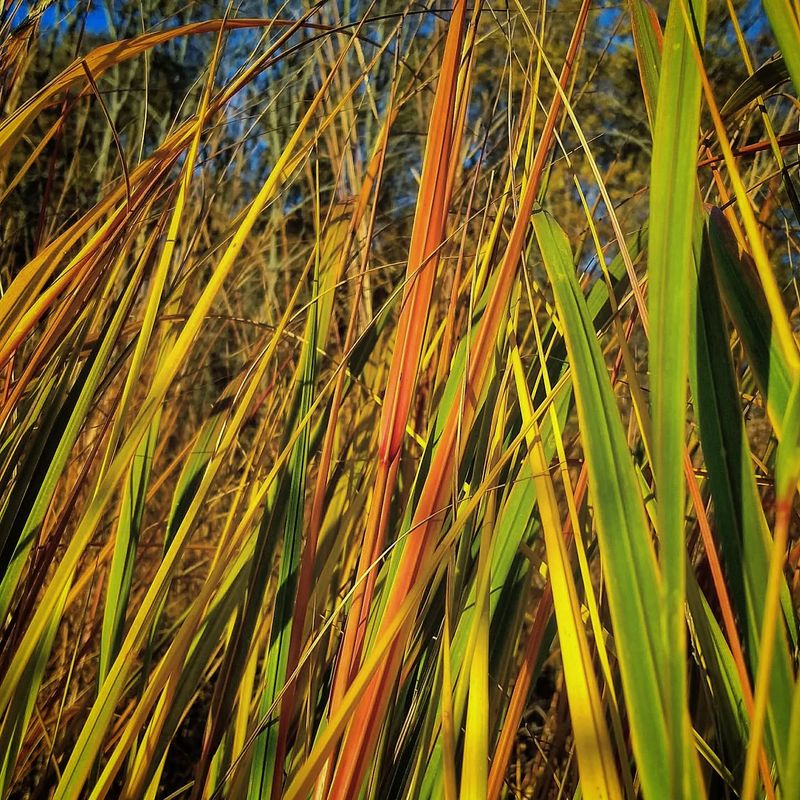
(363,730)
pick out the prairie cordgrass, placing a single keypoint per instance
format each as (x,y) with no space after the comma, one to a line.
(399,401)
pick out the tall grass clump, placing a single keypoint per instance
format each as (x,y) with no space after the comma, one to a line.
(398,400)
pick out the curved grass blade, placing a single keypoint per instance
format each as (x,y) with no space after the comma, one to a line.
(598,771)
(767,77)
(741,527)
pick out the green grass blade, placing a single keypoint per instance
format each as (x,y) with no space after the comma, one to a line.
(673,190)
(263,778)
(632,579)
(747,306)
(784,19)
(17,715)
(741,527)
